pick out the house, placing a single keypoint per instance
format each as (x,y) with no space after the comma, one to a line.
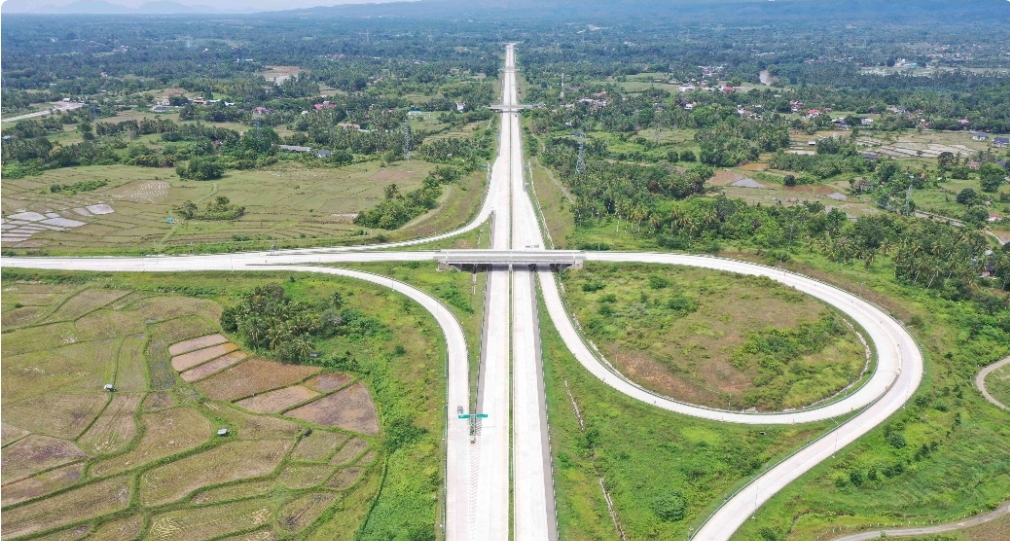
(964,122)
(260,110)
(324,154)
(326,104)
(689,107)
(349,126)
(460,106)
(993,217)
(866,121)
(1001,142)
(727,89)
(294,148)
(687,88)
(979,136)
(870,156)
(161,109)
(974,166)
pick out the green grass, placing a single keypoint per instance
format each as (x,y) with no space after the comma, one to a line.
(643,454)
(997,383)
(401,491)
(715,338)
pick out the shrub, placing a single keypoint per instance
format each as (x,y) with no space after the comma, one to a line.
(670,506)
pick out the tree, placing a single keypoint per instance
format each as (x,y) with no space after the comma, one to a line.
(789,180)
(991,177)
(968,196)
(86,130)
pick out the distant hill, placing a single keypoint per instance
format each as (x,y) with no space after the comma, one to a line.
(101,7)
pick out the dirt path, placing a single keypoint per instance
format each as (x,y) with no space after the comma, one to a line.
(925,530)
(58,107)
(980,381)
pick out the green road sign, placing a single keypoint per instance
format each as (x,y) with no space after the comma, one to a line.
(464,416)
(482,416)
(468,415)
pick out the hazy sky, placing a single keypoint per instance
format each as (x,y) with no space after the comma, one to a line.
(17,6)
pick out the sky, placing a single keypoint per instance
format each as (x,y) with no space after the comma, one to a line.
(22,6)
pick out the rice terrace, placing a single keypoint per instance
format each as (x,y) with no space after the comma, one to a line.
(703,270)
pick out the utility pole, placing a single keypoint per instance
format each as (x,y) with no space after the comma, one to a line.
(562,86)
(406,139)
(580,163)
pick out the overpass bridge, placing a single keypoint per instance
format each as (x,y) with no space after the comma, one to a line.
(555,259)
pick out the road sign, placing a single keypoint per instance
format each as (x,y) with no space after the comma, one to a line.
(482,416)
(468,415)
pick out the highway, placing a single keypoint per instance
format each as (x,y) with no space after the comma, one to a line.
(511,384)
(533,489)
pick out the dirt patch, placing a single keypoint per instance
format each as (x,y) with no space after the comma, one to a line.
(349,452)
(345,478)
(330,381)
(278,400)
(142,191)
(114,428)
(84,302)
(318,445)
(723,177)
(350,409)
(43,483)
(213,367)
(299,476)
(255,427)
(75,505)
(167,432)
(158,401)
(754,166)
(252,377)
(196,343)
(304,510)
(240,491)
(10,434)
(200,356)
(118,530)
(65,415)
(130,374)
(210,522)
(229,462)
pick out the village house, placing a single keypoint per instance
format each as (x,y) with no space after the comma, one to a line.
(866,121)
(1001,142)
(979,136)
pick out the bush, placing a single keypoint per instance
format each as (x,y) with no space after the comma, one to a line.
(200,169)
(670,507)
(789,180)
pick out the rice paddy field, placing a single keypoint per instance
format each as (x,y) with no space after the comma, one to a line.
(191,448)
(286,205)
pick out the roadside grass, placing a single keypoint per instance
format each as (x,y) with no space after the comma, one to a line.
(714,338)
(462,292)
(653,463)
(997,383)
(180,481)
(289,205)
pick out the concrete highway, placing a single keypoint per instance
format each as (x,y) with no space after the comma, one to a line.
(533,490)
(510,387)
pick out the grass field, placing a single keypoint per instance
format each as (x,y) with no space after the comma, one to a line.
(997,383)
(663,471)
(702,336)
(145,459)
(285,206)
